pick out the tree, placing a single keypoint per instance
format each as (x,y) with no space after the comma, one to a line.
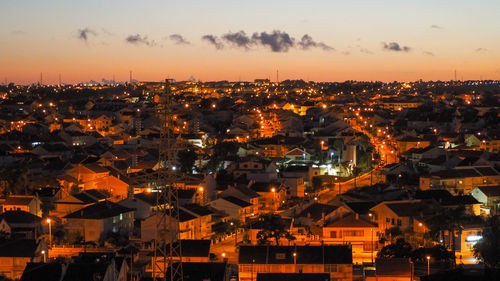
(438,253)
(399,249)
(356,171)
(74,237)
(488,247)
(186,159)
(221,152)
(273,226)
(393,233)
(449,220)
(4,278)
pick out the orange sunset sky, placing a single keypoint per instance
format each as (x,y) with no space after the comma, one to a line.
(243,40)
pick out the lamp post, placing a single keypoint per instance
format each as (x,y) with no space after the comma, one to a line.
(371,247)
(44,257)
(273,190)
(253,261)
(294,262)
(337,179)
(49,221)
(235,233)
(428,265)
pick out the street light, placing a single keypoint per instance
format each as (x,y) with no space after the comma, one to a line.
(49,221)
(371,248)
(235,234)
(428,265)
(44,257)
(273,190)
(294,262)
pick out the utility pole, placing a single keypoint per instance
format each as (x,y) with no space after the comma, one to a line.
(167,199)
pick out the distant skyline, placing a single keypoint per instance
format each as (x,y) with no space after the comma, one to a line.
(317,40)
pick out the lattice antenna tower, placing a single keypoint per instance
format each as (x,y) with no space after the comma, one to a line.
(167,263)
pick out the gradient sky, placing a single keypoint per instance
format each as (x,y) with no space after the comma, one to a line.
(441,35)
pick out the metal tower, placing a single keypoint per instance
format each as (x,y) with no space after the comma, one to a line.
(167,263)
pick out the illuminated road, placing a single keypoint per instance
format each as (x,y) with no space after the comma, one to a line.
(226,248)
(369,178)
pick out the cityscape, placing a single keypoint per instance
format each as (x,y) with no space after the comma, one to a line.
(228,149)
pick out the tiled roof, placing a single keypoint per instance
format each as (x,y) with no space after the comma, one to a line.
(350,220)
(19,217)
(42,271)
(18,248)
(270,254)
(99,210)
(237,201)
(490,191)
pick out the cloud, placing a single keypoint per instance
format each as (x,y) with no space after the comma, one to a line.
(214,40)
(435,26)
(481,50)
(18,32)
(106,32)
(178,39)
(238,39)
(366,51)
(393,46)
(428,53)
(306,42)
(138,39)
(277,40)
(83,34)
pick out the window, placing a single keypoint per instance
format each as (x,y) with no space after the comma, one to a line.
(399,222)
(353,233)
(333,234)
(392,221)
(245,166)
(331,268)
(387,220)
(280,256)
(121,216)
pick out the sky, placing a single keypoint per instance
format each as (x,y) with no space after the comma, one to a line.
(321,40)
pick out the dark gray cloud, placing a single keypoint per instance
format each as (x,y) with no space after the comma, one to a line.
(481,50)
(84,33)
(179,39)
(277,40)
(214,40)
(306,42)
(435,26)
(138,39)
(238,39)
(429,53)
(393,46)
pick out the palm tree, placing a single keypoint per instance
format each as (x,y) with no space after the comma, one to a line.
(449,220)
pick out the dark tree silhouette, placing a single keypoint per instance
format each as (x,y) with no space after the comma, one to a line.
(488,248)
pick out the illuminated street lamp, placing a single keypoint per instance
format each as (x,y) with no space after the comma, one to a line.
(44,256)
(49,221)
(428,265)
(294,261)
